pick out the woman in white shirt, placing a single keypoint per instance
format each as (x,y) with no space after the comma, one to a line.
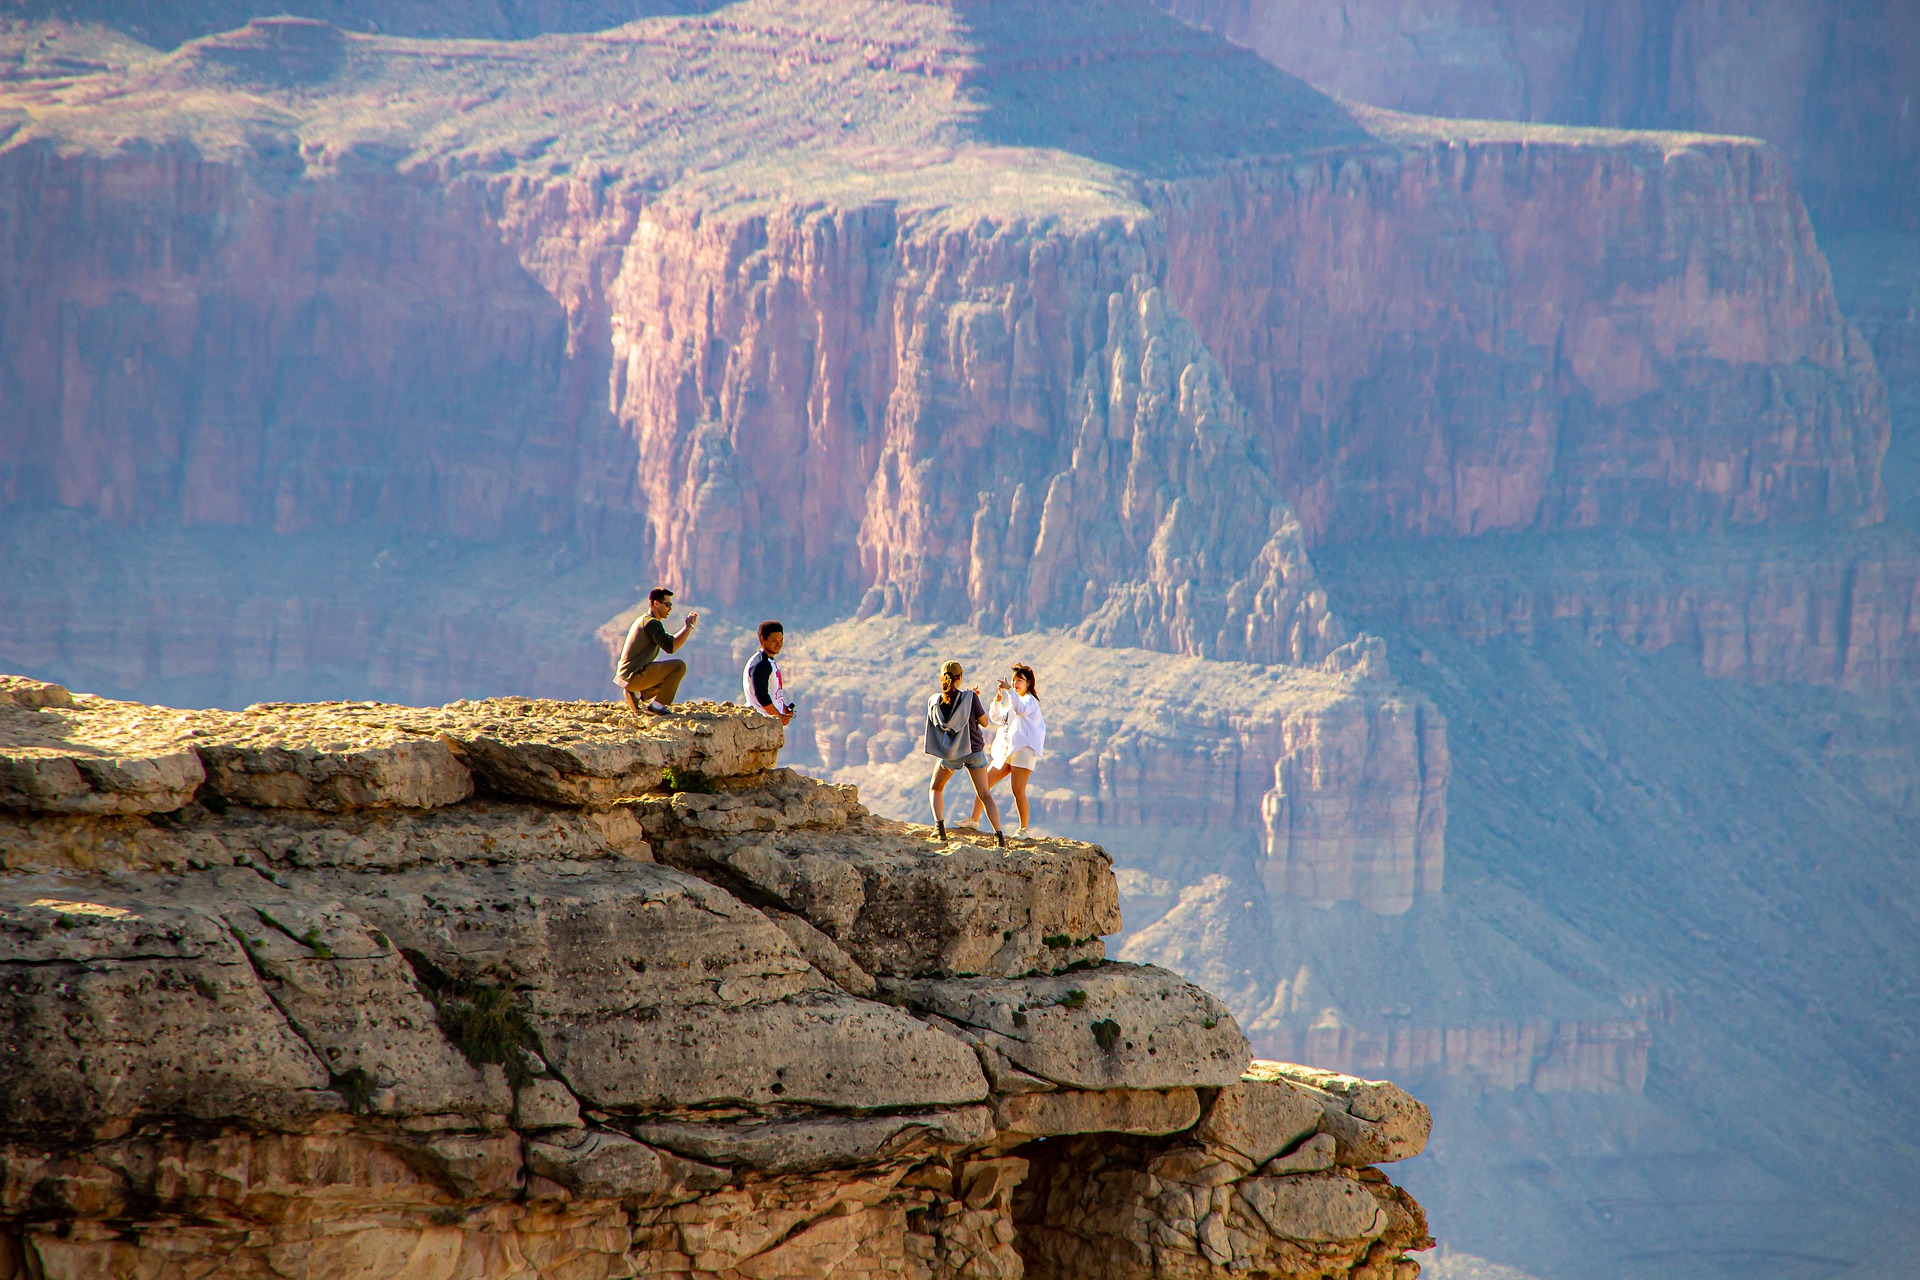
(1019,740)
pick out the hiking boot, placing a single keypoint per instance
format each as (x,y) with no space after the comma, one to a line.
(940,825)
(658,707)
(1000,837)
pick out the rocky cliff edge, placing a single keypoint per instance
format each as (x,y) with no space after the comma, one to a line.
(522,988)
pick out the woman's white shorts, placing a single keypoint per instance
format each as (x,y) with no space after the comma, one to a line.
(1023,758)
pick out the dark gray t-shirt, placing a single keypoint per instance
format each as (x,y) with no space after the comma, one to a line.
(976,736)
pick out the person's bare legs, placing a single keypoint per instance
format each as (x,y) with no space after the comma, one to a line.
(1020,777)
(993,780)
(982,795)
(937,797)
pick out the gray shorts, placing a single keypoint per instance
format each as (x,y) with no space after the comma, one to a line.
(978,760)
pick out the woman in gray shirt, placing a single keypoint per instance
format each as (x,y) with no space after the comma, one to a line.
(956,739)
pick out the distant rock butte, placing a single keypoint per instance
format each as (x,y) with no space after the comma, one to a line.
(953,355)
(372,983)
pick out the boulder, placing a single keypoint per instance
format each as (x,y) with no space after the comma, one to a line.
(1371,1121)
(1315,1209)
(1117,1026)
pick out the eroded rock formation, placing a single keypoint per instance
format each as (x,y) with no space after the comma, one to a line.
(924,365)
(524,988)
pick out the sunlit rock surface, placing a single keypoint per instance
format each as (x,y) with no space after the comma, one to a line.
(376,984)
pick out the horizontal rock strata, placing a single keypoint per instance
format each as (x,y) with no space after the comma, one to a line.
(729,370)
(538,989)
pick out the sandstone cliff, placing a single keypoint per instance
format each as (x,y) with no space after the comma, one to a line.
(618,321)
(523,988)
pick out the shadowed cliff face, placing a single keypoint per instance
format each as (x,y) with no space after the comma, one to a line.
(1830,83)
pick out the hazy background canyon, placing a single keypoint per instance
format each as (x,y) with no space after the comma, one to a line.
(1470,542)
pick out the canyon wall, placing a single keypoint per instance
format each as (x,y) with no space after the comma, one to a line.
(1358,810)
(1830,83)
(1842,610)
(1496,327)
(491,990)
(922,403)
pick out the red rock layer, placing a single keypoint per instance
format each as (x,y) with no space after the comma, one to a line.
(1090,425)
(1829,82)
(194,340)
(1532,333)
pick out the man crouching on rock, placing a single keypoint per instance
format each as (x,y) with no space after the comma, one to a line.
(641,673)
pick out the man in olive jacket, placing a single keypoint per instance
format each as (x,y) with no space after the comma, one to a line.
(642,673)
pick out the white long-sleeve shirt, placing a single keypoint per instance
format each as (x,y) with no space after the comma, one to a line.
(1019,724)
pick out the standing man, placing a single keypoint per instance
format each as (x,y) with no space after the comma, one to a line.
(761,680)
(641,673)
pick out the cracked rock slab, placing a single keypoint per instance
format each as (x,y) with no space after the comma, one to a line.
(604,1165)
(595,753)
(94,756)
(651,989)
(328,756)
(114,1005)
(1118,1026)
(895,900)
(478,832)
(808,1144)
(1371,1121)
(1260,1118)
(347,992)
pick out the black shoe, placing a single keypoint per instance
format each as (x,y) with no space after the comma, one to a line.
(1000,836)
(940,824)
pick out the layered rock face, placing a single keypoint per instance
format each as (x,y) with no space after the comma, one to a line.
(1343,823)
(1828,83)
(1841,611)
(523,988)
(925,387)
(1503,328)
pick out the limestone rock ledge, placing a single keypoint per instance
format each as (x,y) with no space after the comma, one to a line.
(521,988)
